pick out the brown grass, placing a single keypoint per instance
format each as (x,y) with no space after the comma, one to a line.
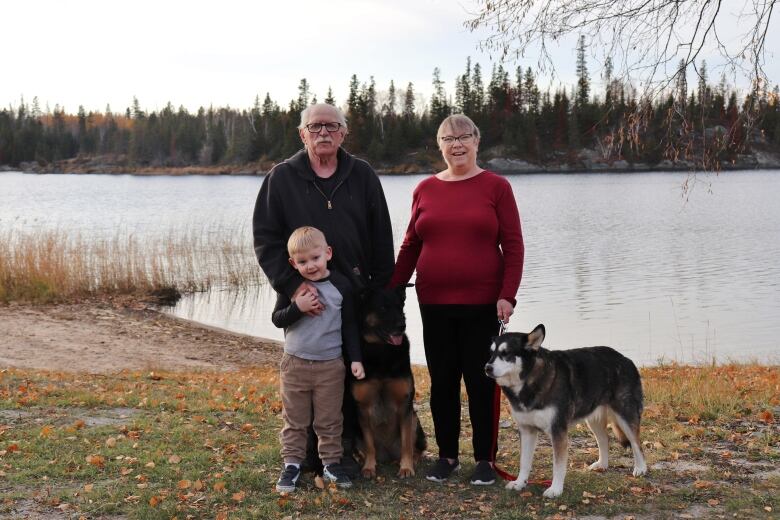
(152,445)
(56,265)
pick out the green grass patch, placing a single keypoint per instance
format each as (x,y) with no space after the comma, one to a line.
(153,445)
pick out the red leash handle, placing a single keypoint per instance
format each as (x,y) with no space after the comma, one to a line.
(496,414)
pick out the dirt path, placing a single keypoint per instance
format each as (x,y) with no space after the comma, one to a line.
(109,336)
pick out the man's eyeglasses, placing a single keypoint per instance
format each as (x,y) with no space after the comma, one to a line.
(462,139)
(316,128)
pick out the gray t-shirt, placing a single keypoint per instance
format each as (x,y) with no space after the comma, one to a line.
(318,338)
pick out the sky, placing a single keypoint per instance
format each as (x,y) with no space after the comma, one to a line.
(200,53)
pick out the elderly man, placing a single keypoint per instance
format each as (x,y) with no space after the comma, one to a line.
(325,187)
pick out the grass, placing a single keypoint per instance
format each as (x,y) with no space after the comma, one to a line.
(204,445)
(45,266)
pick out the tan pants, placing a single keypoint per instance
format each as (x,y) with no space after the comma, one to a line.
(306,386)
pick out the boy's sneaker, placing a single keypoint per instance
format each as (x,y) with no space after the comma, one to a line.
(484,474)
(288,478)
(442,470)
(335,473)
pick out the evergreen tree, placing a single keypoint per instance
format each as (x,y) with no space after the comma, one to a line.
(439,106)
(304,91)
(583,78)
(409,102)
(391,99)
(329,99)
(477,95)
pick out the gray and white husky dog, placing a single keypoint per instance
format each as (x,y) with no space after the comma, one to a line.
(551,390)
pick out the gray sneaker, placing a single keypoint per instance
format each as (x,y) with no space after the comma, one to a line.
(335,473)
(442,470)
(288,478)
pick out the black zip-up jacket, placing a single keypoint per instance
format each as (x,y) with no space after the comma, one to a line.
(354,218)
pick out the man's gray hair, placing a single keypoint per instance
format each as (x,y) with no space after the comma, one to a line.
(306,111)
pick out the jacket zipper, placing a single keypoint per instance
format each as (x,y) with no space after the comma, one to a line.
(330,205)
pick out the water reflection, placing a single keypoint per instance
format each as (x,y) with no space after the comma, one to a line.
(620,260)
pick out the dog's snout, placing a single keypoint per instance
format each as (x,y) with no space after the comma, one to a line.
(489,370)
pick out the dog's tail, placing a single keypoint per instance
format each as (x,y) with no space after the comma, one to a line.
(621,437)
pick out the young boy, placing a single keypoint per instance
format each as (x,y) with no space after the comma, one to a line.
(318,324)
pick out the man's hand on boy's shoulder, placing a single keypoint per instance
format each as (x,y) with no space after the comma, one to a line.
(307,299)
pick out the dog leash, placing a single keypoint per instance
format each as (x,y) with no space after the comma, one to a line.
(496,415)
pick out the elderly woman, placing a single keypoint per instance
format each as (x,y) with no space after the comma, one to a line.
(464,240)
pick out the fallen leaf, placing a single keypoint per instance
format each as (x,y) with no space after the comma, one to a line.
(198,485)
(149,465)
(96,460)
(184,484)
(110,442)
(46,432)
(174,459)
(319,482)
(238,497)
(154,501)
(126,471)
(142,485)
(713,502)
(219,486)
(703,484)
(88,488)
(766,416)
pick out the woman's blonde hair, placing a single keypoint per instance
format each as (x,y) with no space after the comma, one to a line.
(305,238)
(460,123)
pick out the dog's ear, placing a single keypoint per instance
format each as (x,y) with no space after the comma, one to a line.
(400,290)
(536,337)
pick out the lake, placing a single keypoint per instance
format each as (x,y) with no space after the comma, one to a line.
(627,260)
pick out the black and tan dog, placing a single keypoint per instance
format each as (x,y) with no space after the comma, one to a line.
(550,390)
(389,426)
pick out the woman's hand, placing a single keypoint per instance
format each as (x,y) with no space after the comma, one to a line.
(504,310)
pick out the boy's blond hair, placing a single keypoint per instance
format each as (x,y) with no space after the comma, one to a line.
(305,238)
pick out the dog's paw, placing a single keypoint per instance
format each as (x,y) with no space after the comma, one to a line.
(598,466)
(368,472)
(640,470)
(405,472)
(552,492)
(515,485)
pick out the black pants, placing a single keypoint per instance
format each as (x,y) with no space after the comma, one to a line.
(457,344)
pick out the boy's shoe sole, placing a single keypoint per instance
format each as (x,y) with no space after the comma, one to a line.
(284,489)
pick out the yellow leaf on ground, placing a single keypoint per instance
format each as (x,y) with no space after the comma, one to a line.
(110,442)
(319,482)
(238,497)
(88,488)
(198,485)
(154,501)
(184,484)
(219,486)
(149,464)
(47,431)
(96,460)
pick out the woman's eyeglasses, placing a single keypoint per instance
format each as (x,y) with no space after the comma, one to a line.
(462,139)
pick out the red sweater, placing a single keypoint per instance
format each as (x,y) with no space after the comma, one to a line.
(465,241)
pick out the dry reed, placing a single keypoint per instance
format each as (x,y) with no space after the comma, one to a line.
(54,265)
